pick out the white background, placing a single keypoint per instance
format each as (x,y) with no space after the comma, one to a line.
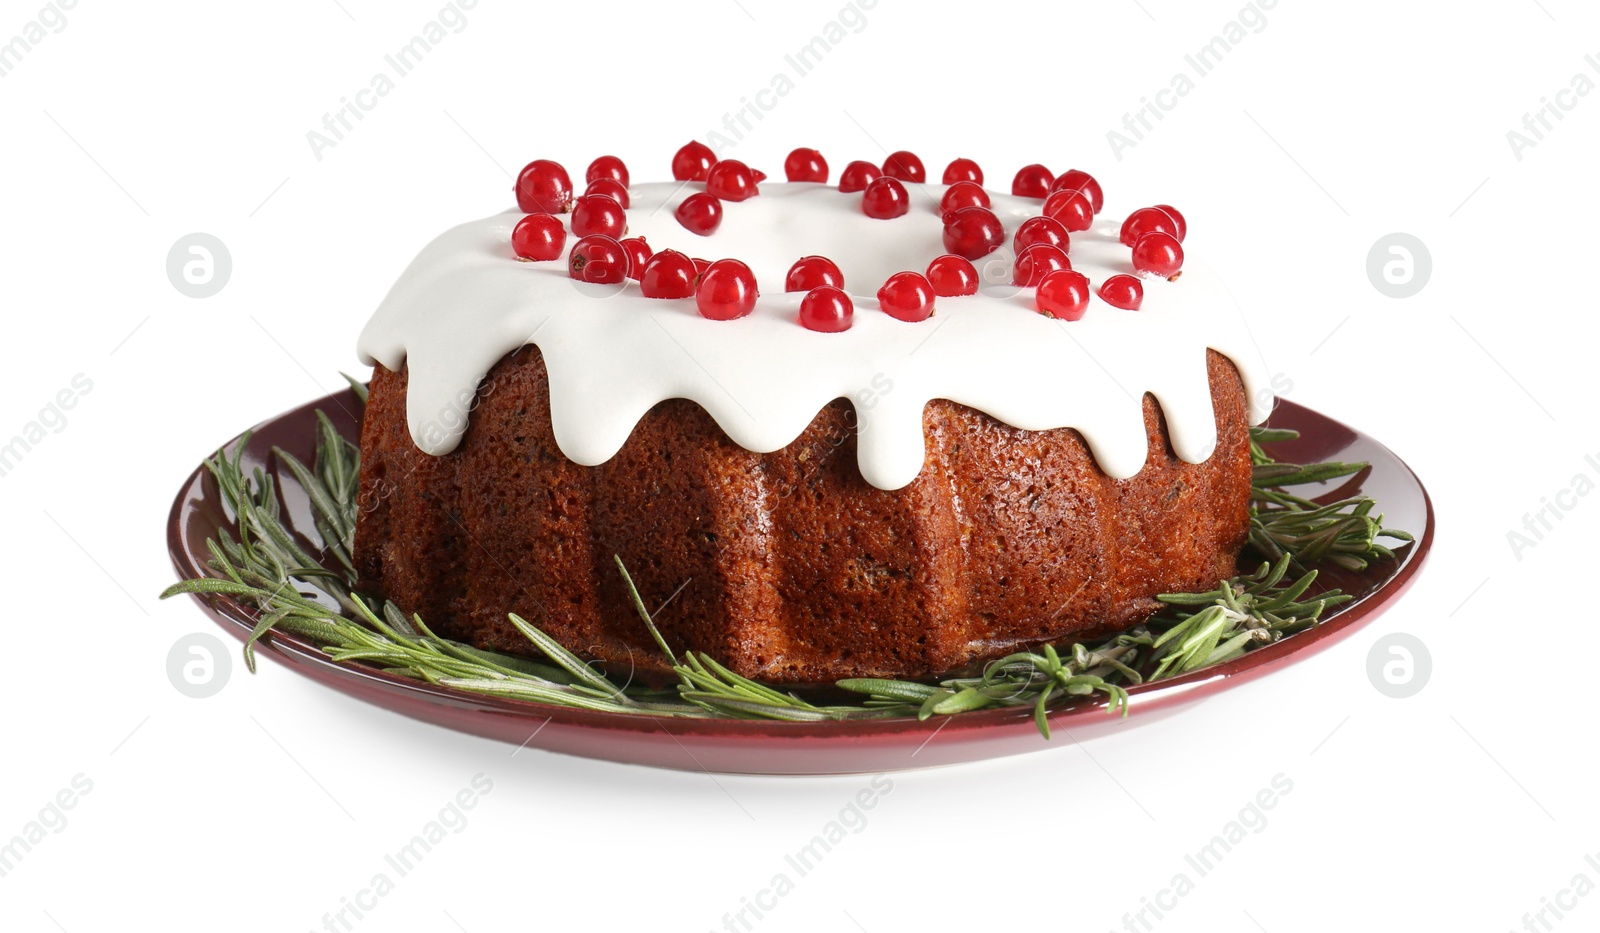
(1335,124)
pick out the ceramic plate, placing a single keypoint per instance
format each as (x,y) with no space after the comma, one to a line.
(762,747)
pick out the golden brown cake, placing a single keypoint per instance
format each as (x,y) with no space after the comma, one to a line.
(880,491)
(792,567)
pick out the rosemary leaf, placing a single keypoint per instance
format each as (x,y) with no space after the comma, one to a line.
(356,386)
(898,690)
(565,659)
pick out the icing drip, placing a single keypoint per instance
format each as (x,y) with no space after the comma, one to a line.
(612,354)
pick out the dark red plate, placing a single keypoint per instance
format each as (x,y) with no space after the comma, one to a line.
(762,747)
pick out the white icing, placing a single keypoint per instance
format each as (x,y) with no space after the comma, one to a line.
(612,354)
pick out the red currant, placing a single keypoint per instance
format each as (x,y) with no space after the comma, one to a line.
(700,213)
(1074,180)
(905,166)
(543,185)
(973,232)
(692,162)
(758,175)
(857,176)
(700,267)
(1147,220)
(607,166)
(668,274)
(638,254)
(731,180)
(1177,218)
(1032,181)
(727,290)
(1037,261)
(1063,294)
(538,237)
(964,194)
(885,198)
(952,275)
(810,272)
(963,170)
(598,258)
(611,188)
(1071,208)
(906,296)
(826,309)
(598,213)
(1158,254)
(1123,291)
(1040,230)
(805,165)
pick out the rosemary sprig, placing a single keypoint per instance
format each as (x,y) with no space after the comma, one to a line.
(267,567)
(1344,533)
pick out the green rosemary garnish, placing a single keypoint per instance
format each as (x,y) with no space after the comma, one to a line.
(1195,632)
(1282,524)
(267,568)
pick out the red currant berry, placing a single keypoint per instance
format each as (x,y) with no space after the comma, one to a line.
(638,254)
(1035,262)
(905,166)
(810,272)
(731,180)
(727,290)
(952,275)
(857,176)
(973,232)
(700,267)
(805,165)
(598,258)
(1123,291)
(1177,218)
(964,194)
(611,188)
(692,162)
(906,296)
(826,309)
(538,237)
(668,274)
(1071,208)
(543,185)
(607,166)
(1075,180)
(963,170)
(1158,254)
(1147,220)
(885,198)
(598,213)
(1032,181)
(758,175)
(1063,294)
(1040,230)
(700,213)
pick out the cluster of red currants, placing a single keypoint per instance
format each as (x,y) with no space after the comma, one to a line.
(599,219)
(905,296)
(726,289)
(1071,201)
(722,290)
(726,180)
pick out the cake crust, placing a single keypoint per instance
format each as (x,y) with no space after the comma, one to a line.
(788,567)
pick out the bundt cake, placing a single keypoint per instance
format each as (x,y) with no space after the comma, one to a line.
(805,495)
